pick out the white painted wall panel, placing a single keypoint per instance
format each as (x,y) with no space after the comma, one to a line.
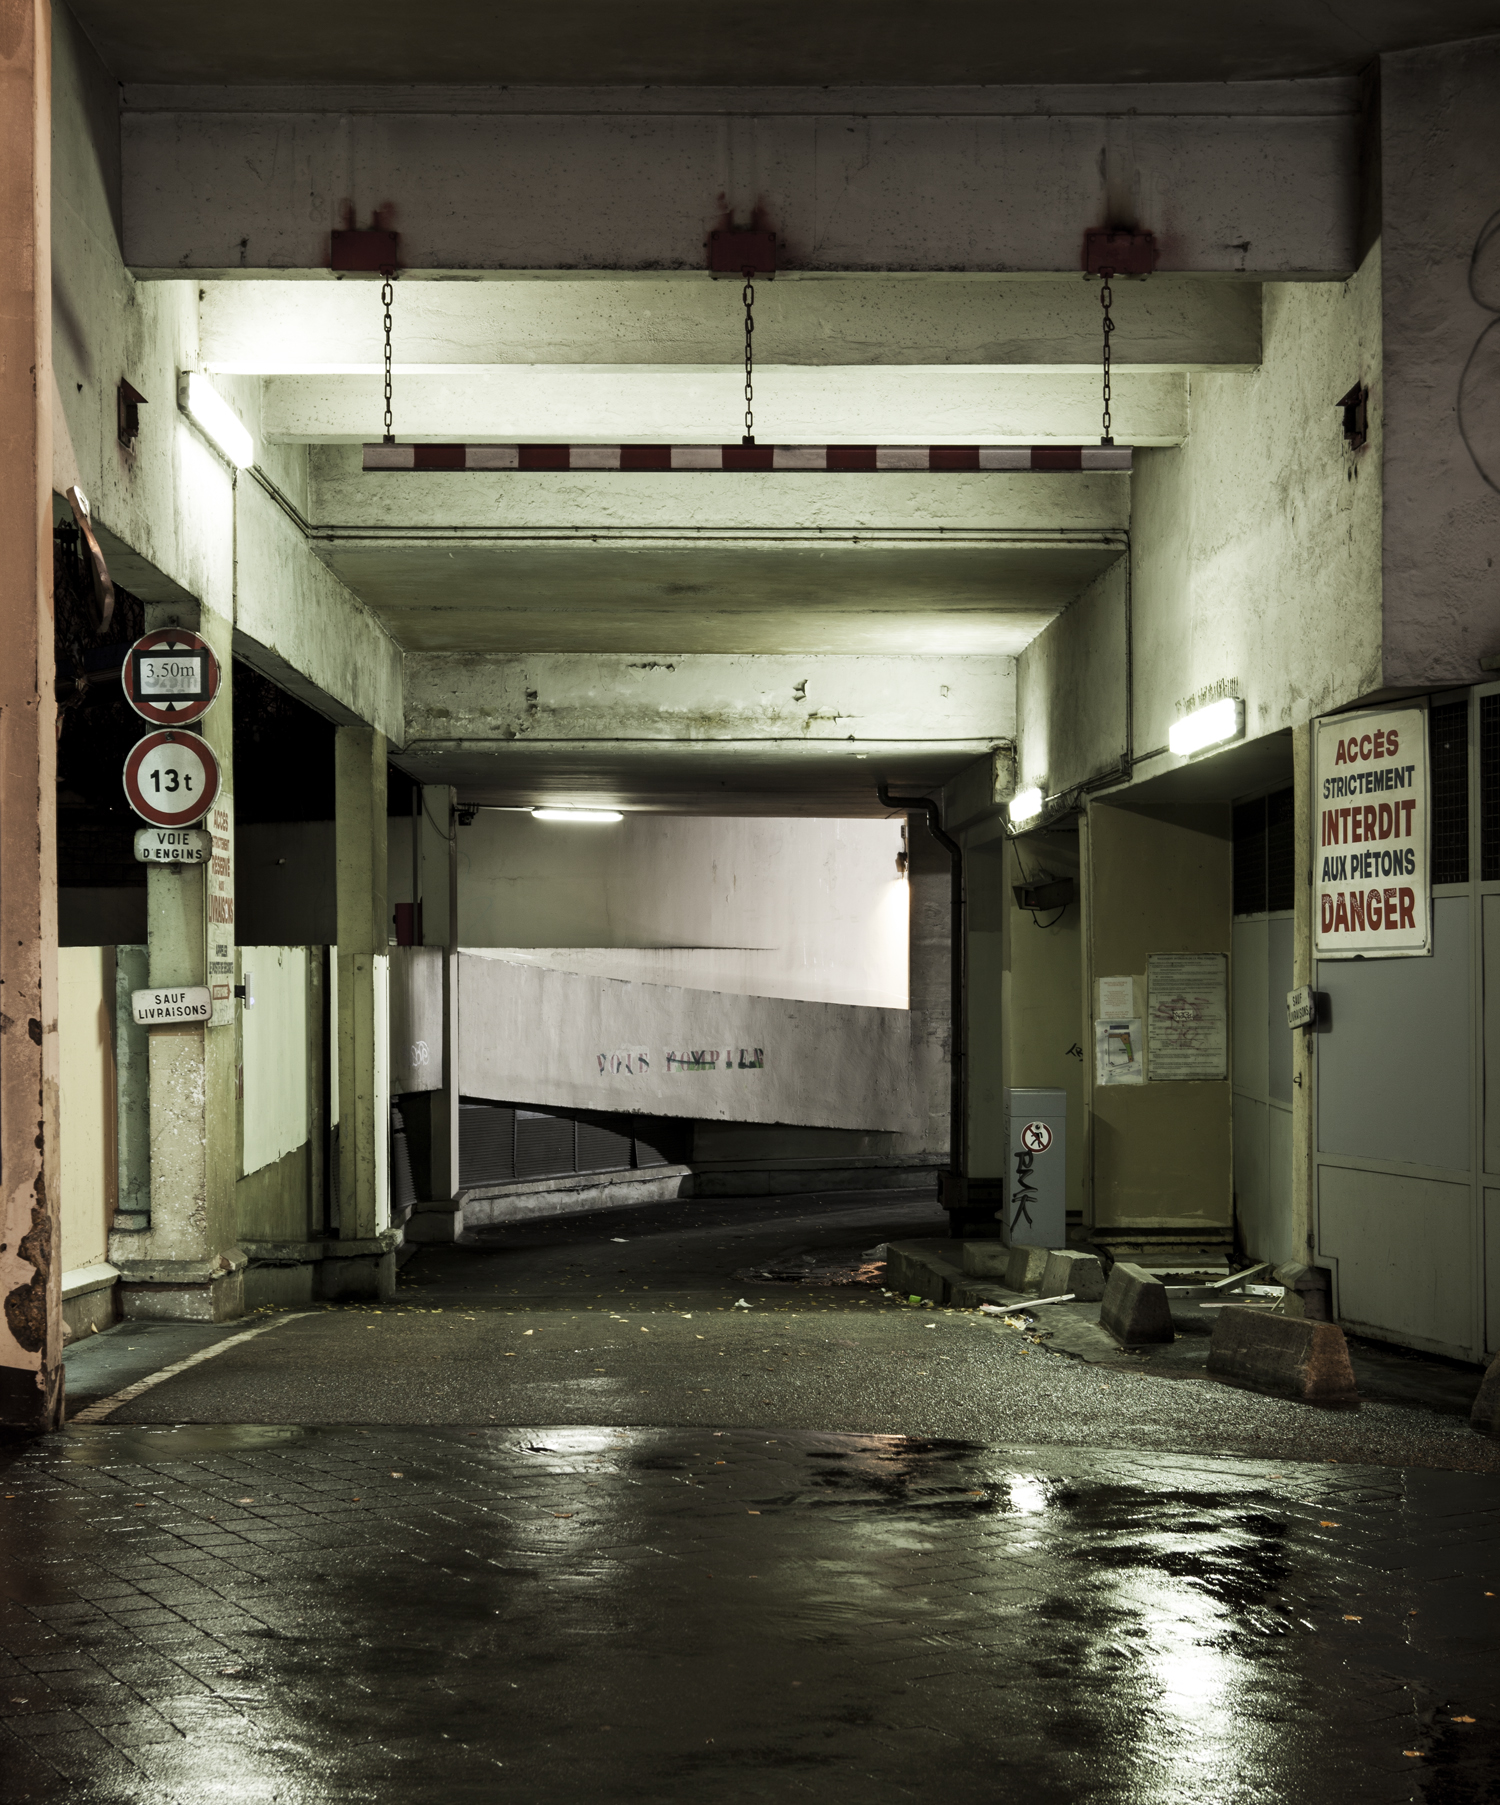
(86,1081)
(273,1054)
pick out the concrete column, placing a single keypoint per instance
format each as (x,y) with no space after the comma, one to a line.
(185,1262)
(363,1262)
(432,1118)
(31,1387)
(928,874)
(987,987)
(1157,880)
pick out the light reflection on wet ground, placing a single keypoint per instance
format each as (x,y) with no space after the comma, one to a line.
(593,1613)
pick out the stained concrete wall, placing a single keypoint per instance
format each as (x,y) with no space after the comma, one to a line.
(1440,182)
(555,1039)
(1071,681)
(274,1039)
(753,906)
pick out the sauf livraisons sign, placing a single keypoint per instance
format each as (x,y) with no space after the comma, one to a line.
(1370,887)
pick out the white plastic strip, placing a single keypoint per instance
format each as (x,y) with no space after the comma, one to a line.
(96,1412)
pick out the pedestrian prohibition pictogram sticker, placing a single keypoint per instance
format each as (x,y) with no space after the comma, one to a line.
(170,677)
(171,778)
(1036,1137)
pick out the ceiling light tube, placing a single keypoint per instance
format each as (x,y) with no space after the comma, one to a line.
(215,418)
(1215,725)
(1026,806)
(576,814)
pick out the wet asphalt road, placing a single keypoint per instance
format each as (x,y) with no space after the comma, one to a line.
(825,1551)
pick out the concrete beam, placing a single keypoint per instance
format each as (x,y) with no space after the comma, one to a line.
(702,734)
(239,181)
(1165,322)
(666,505)
(792,406)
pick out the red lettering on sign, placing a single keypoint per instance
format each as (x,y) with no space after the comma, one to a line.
(1340,915)
(1327,913)
(1390,909)
(1408,907)
(1340,757)
(1344,817)
(1355,817)
(1380,742)
(1387,816)
(1407,808)
(1392,743)
(1357,911)
(1369,821)
(1366,746)
(1372,908)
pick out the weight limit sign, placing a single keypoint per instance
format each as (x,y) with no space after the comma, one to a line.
(170,677)
(171,778)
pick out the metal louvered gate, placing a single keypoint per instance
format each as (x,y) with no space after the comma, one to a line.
(500,1143)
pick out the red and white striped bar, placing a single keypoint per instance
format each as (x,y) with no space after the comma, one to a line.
(747,457)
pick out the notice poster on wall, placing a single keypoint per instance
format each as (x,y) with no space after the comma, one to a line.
(220,823)
(1370,884)
(1187,1017)
(1119,1051)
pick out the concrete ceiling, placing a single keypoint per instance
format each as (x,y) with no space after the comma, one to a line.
(712,597)
(599,42)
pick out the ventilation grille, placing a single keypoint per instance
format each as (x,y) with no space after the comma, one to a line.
(403,1185)
(1448,752)
(1250,857)
(1489,788)
(1265,854)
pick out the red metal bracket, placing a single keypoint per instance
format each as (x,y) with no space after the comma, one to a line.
(370,253)
(1111,252)
(742,251)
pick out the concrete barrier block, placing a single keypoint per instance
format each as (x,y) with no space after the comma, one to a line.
(1025,1267)
(1287,1355)
(1135,1307)
(922,1268)
(1080,1273)
(1485,1416)
(987,1260)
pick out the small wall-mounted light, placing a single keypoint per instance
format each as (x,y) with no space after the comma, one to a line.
(585,815)
(1215,725)
(128,404)
(1026,806)
(215,418)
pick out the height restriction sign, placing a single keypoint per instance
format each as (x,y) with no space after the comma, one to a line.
(171,778)
(171,677)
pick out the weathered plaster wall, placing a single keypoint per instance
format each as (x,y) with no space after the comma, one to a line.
(1257,545)
(555,1039)
(176,521)
(1440,160)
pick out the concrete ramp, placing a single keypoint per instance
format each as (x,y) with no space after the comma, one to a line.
(566,1040)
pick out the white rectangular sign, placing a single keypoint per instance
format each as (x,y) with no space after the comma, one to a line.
(173,845)
(1371,897)
(1187,1017)
(186,1003)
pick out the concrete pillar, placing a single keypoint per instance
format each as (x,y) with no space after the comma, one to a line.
(1157,880)
(1304,971)
(363,1263)
(987,986)
(185,1262)
(31,1388)
(432,1117)
(928,874)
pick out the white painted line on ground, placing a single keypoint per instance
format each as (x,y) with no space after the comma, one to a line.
(96,1412)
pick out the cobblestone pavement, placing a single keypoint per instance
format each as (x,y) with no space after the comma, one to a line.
(573,1614)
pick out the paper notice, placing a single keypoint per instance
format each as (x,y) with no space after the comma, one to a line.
(1118,1051)
(1116,996)
(1187,1016)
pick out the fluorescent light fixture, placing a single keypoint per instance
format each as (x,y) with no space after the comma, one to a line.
(215,418)
(1026,805)
(1212,726)
(576,814)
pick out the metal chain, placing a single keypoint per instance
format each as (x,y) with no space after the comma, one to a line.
(747,295)
(1106,296)
(387,294)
